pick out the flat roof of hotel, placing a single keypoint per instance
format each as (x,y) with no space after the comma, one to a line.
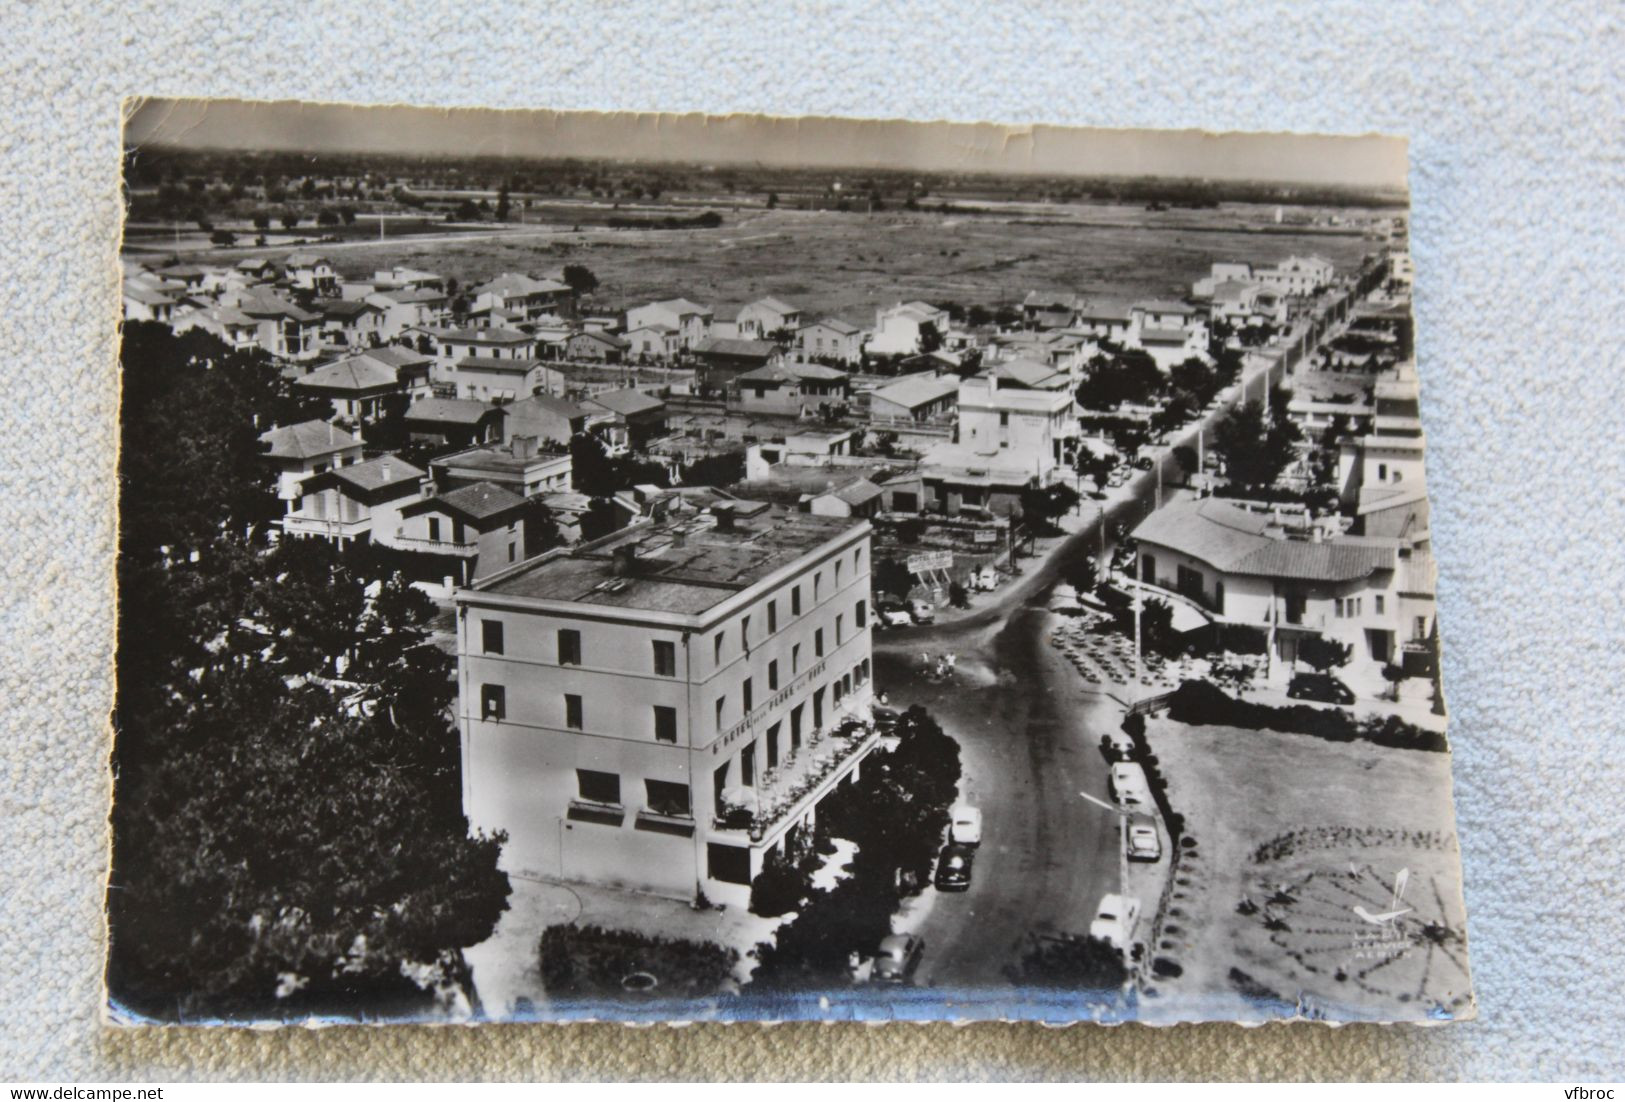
(709,567)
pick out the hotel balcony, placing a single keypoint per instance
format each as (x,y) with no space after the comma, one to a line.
(806,776)
(467,549)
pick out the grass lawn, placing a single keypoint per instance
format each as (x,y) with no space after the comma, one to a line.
(1292,834)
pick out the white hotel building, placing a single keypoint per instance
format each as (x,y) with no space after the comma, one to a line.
(662,708)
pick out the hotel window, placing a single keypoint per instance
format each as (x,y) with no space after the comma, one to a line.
(773,675)
(818,642)
(840,622)
(598,787)
(667,798)
(837,573)
(772,616)
(721,703)
(434,528)
(491,636)
(795,658)
(493,702)
(716,647)
(818,583)
(857,559)
(1377,603)
(510,552)
(569,647)
(665,658)
(744,633)
(860,615)
(572,711)
(665,723)
(748,696)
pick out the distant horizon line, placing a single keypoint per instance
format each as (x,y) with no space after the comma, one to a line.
(1369,161)
(709,166)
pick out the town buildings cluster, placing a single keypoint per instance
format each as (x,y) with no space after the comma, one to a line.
(663,705)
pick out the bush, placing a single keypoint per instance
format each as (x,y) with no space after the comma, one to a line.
(1074,964)
(590,961)
(1200,703)
(779,888)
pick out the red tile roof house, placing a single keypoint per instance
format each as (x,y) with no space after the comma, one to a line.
(356,385)
(308,448)
(766,316)
(407,308)
(791,388)
(312,272)
(480,527)
(597,346)
(359,502)
(1220,563)
(691,320)
(349,324)
(831,339)
(520,295)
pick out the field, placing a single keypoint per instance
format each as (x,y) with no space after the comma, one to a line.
(1295,837)
(847,264)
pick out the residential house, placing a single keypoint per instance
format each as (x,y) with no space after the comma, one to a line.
(856,498)
(145,303)
(831,339)
(1050,309)
(920,398)
(792,388)
(520,465)
(312,272)
(1170,332)
(653,342)
(481,526)
(409,308)
(357,387)
(625,418)
(454,421)
(726,358)
(348,323)
(1219,562)
(545,418)
(766,316)
(691,320)
(361,501)
(412,368)
(520,296)
(1025,374)
(1036,428)
(496,378)
(1240,304)
(1298,275)
(258,317)
(1381,475)
(661,709)
(596,346)
(309,448)
(1106,322)
(898,328)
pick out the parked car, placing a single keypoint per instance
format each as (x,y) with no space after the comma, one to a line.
(924,611)
(985,579)
(953,867)
(965,827)
(1129,785)
(1119,747)
(1143,463)
(1143,842)
(885,718)
(893,614)
(1118,477)
(1320,686)
(1115,920)
(897,958)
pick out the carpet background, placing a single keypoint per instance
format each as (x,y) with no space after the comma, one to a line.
(1514,116)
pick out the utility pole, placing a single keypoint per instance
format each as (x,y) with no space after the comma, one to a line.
(1139,677)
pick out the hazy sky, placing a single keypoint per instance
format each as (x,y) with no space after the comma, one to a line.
(1366,161)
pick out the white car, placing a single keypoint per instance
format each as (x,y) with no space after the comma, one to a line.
(1129,785)
(1143,842)
(966,828)
(1115,920)
(895,616)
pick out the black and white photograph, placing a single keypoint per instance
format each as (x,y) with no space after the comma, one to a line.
(672,568)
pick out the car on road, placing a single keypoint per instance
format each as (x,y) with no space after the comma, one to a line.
(1118,746)
(1143,463)
(923,611)
(985,579)
(953,867)
(1143,842)
(1118,477)
(897,958)
(965,825)
(893,614)
(1322,687)
(1115,920)
(885,719)
(1129,785)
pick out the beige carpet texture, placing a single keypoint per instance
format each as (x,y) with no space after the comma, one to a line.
(1513,113)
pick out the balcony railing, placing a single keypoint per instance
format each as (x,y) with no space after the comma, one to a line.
(439,547)
(786,790)
(333,528)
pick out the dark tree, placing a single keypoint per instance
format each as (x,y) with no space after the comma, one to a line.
(581,280)
(930,337)
(289,220)
(1322,654)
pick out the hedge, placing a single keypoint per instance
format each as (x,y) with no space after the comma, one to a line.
(1200,703)
(590,961)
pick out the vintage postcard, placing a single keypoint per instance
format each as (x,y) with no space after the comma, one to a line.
(667,568)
